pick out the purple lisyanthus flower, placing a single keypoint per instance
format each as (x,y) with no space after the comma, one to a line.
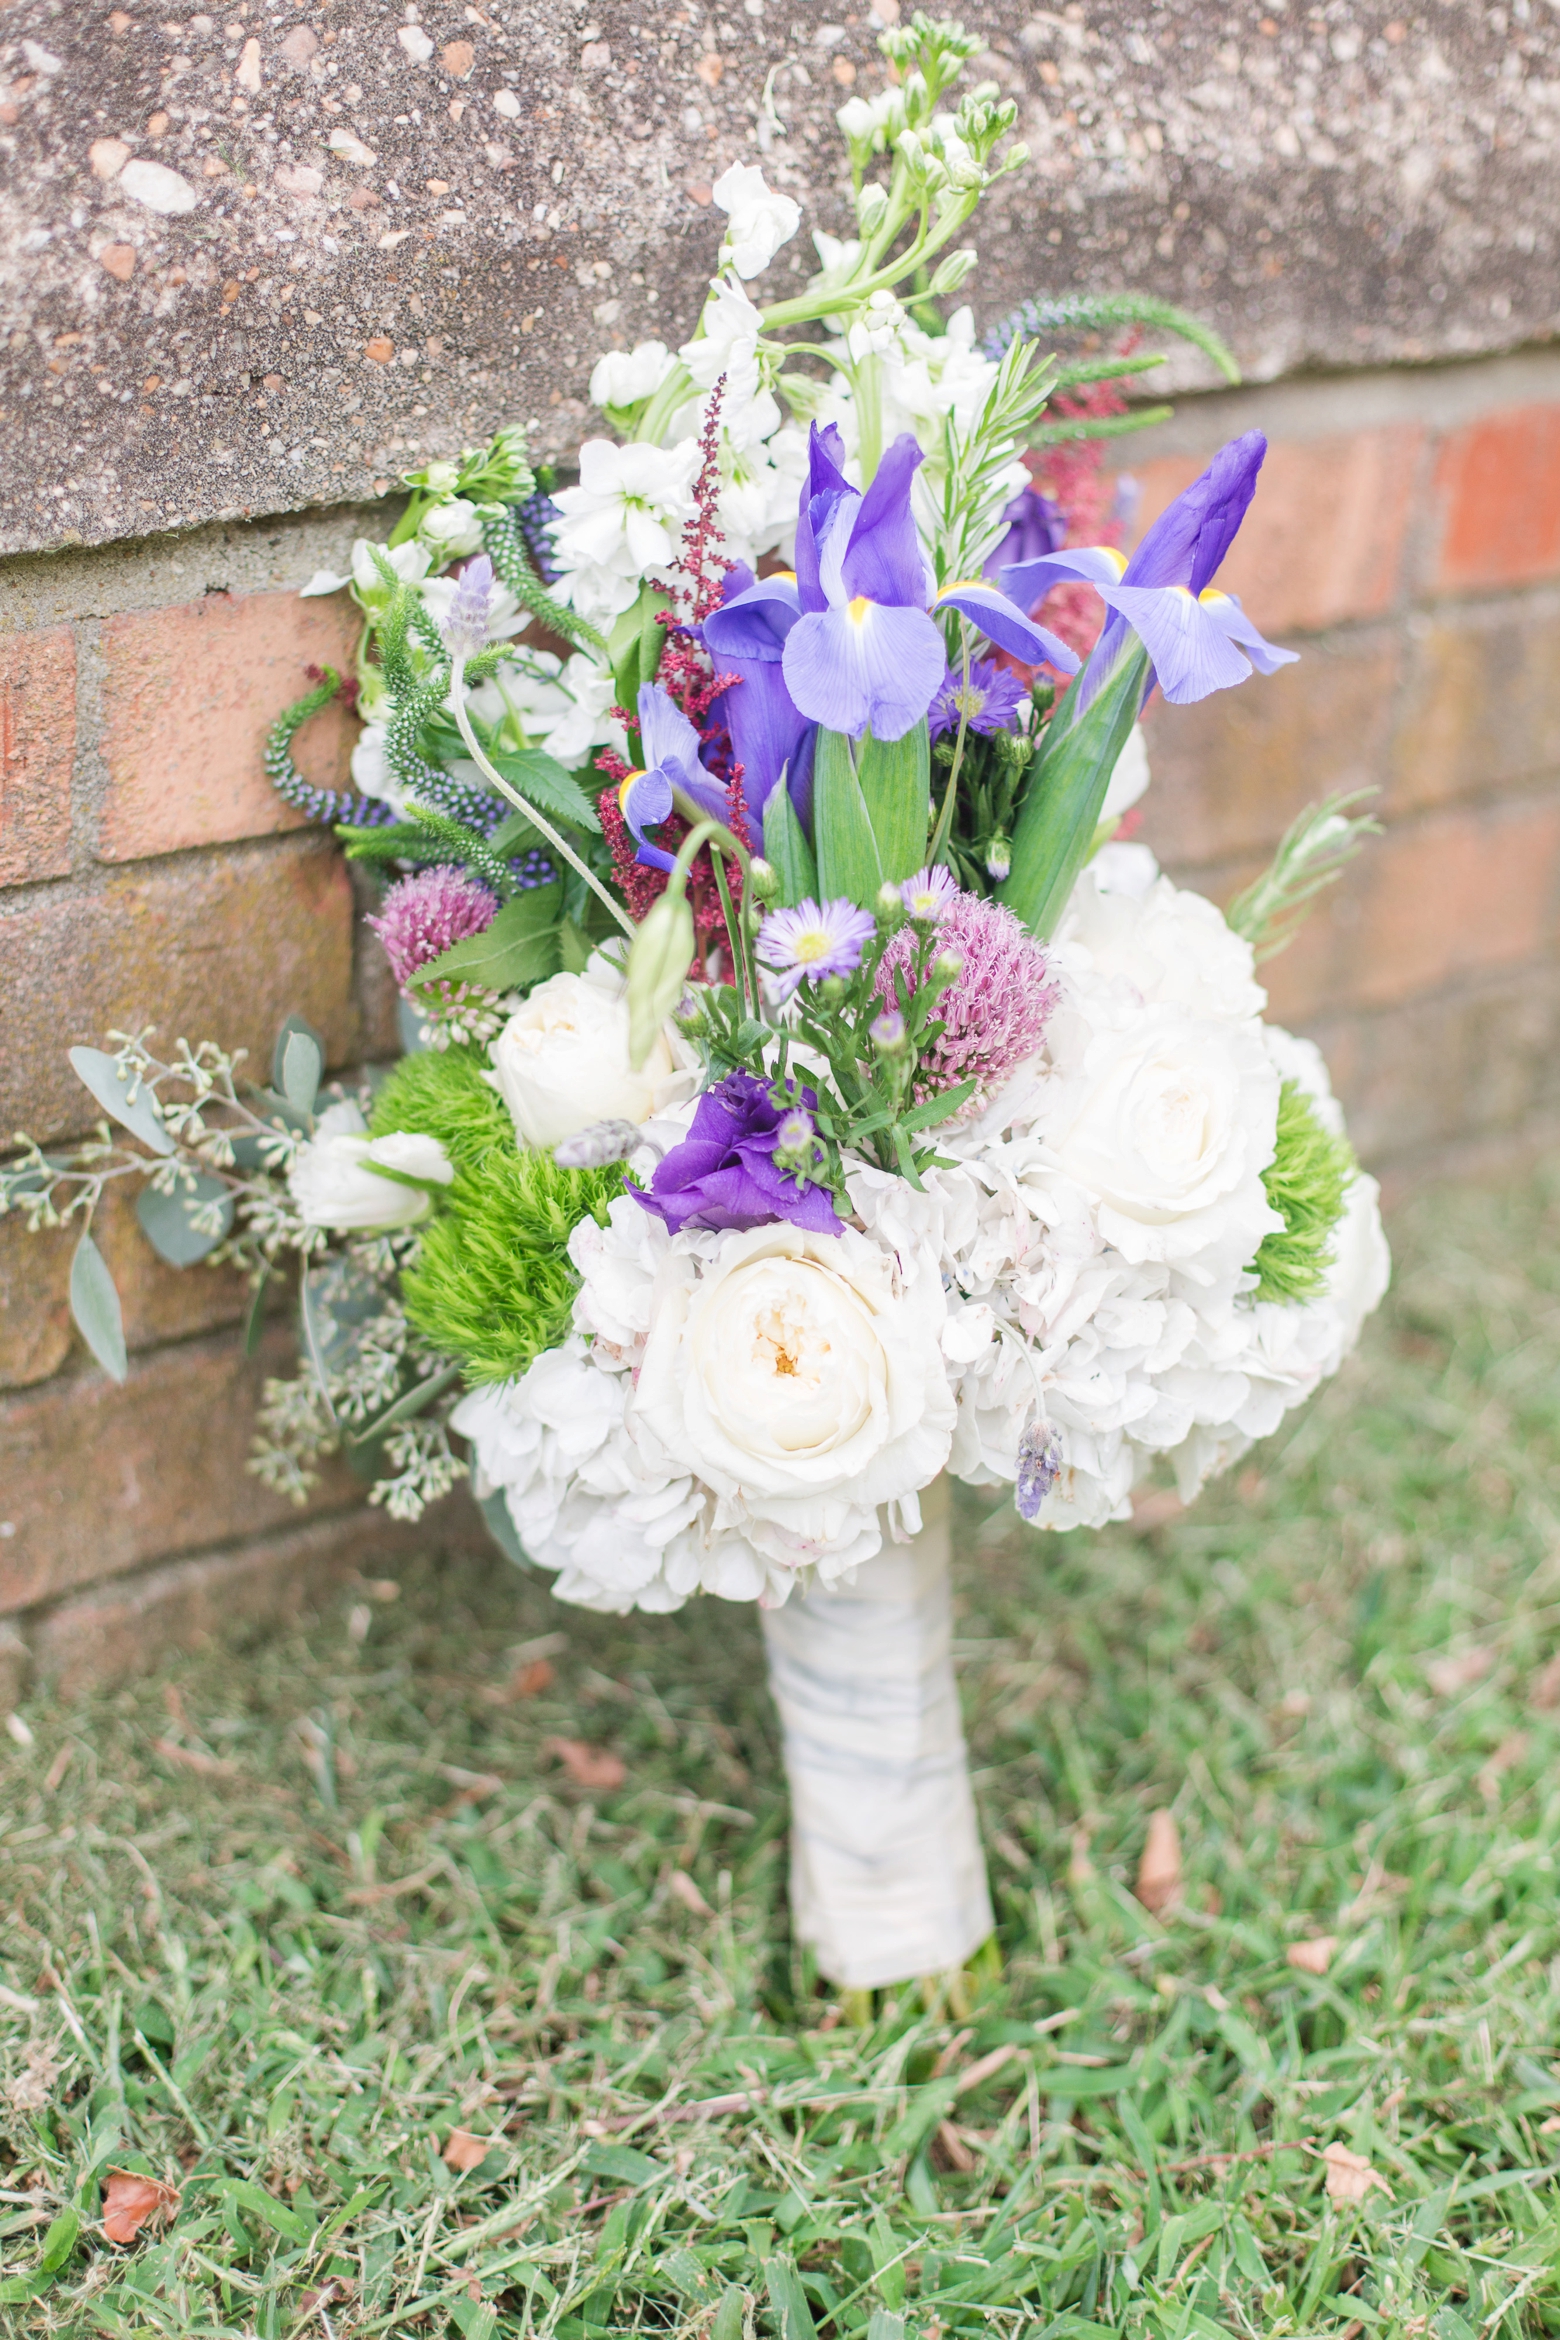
(990,699)
(724,1173)
(1199,640)
(814,940)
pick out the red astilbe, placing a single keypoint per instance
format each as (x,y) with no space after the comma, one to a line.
(701,568)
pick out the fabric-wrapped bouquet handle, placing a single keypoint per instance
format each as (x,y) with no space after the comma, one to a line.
(887,1878)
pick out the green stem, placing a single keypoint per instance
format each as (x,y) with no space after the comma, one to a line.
(521,804)
(945,816)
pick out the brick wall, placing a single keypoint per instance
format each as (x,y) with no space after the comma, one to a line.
(1406,538)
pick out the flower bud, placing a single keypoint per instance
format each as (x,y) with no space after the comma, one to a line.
(889,907)
(871,207)
(763,879)
(888,1032)
(999,859)
(952,273)
(946,968)
(592,1148)
(833,988)
(658,962)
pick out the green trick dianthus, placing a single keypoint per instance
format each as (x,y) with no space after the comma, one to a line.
(1307,1181)
(493,1284)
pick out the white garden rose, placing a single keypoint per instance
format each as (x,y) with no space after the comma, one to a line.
(1167,1121)
(1167,943)
(334,1177)
(562,1060)
(800,1376)
(450,530)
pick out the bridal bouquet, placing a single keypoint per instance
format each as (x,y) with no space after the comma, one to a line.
(809,1090)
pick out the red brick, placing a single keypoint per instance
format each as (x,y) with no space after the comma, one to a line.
(188,696)
(1498,484)
(1323,540)
(101,1477)
(160,1302)
(37,750)
(1481,701)
(16,1667)
(116,1631)
(1231,773)
(221,948)
(1452,896)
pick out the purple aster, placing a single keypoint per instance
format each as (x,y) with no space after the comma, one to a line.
(425,914)
(929,895)
(814,940)
(995,1010)
(991,699)
(724,1173)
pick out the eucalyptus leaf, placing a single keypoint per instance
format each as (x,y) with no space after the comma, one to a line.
(495,1510)
(94,1303)
(110,1085)
(786,847)
(521,945)
(168,1220)
(298,1064)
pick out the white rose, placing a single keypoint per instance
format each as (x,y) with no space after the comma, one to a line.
(1167,1123)
(449,530)
(761,221)
(1170,946)
(562,1060)
(800,1376)
(625,377)
(334,1177)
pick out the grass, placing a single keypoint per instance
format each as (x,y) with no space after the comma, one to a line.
(284,1918)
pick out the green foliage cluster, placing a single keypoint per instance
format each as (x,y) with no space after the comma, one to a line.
(492,1285)
(1307,1180)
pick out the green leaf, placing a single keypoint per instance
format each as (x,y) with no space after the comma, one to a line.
(59,2242)
(789,2301)
(167,1220)
(635,644)
(786,847)
(623,2164)
(94,1304)
(843,836)
(728,2324)
(871,811)
(1065,790)
(543,780)
(110,1085)
(278,2216)
(521,946)
(298,1064)
(896,780)
(885,2326)
(495,1510)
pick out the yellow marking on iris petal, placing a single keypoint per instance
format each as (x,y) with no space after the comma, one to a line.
(967,585)
(859,608)
(1211,593)
(624,785)
(779,577)
(1114,553)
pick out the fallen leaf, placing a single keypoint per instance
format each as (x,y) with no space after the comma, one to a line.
(1159,1871)
(587,1766)
(1447,1675)
(1546,1686)
(464,2150)
(1349,2175)
(30,2090)
(193,1759)
(1315,1956)
(532,1680)
(130,2199)
(682,1887)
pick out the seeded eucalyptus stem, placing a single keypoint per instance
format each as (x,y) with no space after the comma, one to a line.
(521,804)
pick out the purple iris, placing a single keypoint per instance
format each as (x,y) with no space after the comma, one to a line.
(671,752)
(860,648)
(1036,525)
(989,701)
(724,1174)
(768,734)
(1197,639)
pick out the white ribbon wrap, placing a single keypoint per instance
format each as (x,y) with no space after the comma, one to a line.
(887,1878)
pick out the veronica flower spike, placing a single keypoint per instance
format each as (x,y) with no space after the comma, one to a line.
(671,751)
(1198,639)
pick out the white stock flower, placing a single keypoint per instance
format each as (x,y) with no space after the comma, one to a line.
(451,530)
(621,524)
(409,562)
(562,1060)
(878,327)
(760,220)
(626,377)
(873,123)
(727,340)
(562,704)
(801,1377)
(333,1175)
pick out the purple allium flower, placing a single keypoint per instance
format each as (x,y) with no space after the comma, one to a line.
(1039,1462)
(465,629)
(992,696)
(814,940)
(425,914)
(929,895)
(724,1173)
(995,1010)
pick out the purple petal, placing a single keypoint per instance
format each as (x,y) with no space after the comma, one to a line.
(767,728)
(1027,582)
(753,624)
(668,737)
(1227,614)
(1191,536)
(1192,653)
(865,667)
(1003,622)
(885,561)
